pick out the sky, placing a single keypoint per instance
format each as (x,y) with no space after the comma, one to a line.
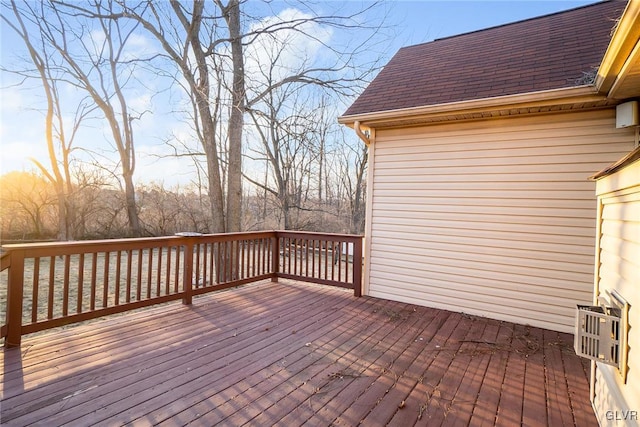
(409,22)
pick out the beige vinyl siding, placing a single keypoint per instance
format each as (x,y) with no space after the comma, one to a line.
(619,269)
(495,217)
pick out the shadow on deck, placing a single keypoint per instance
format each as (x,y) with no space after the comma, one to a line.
(291,354)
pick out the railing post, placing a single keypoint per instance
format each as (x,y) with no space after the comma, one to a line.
(275,260)
(14,299)
(357,268)
(188,272)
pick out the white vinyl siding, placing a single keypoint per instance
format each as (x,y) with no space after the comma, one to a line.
(619,270)
(495,218)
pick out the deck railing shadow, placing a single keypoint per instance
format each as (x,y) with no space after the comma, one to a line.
(47,285)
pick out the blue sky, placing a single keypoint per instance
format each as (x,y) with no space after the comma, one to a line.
(423,21)
(412,22)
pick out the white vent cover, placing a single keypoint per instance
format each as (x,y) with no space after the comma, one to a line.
(627,115)
(597,334)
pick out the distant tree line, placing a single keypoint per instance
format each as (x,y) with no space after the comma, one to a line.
(29,209)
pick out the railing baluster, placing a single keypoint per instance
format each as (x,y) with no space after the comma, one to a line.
(288,255)
(255,258)
(129,273)
(94,277)
(349,247)
(243,260)
(105,288)
(313,260)
(188,273)
(333,259)
(218,251)
(139,277)
(65,286)
(326,259)
(176,284)
(204,264)
(197,269)
(275,258)
(212,273)
(159,272)
(167,284)
(264,247)
(295,257)
(52,274)
(225,262)
(35,290)
(149,271)
(357,268)
(80,283)
(117,278)
(236,260)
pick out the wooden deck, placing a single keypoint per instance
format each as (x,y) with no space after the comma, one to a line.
(295,354)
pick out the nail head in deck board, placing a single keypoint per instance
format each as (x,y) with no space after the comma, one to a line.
(234,378)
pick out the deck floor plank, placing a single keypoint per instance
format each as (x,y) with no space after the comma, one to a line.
(158,335)
(289,353)
(559,408)
(371,363)
(317,383)
(205,359)
(412,387)
(390,363)
(368,400)
(258,381)
(487,406)
(143,356)
(534,409)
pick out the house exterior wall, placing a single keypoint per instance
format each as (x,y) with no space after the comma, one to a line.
(616,401)
(494,217)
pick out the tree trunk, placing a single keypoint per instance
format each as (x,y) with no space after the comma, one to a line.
(236,120)
(130,201)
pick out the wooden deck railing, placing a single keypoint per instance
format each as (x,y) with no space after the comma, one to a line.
(47,285)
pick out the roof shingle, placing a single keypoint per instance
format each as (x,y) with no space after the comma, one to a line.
(550,52)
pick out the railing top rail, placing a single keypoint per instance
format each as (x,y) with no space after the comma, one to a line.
(236,236)
(129,242)
(5,261)
(327,236)
(89,246)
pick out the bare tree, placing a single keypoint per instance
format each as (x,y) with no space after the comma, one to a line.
(46,72)
(352,175)
(288,146)
(210,46)
(94,62)
(231,13)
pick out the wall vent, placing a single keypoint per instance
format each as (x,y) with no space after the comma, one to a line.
(597,334)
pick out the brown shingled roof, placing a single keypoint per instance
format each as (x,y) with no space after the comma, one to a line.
(549,52)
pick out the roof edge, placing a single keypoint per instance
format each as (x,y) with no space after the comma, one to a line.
(546,97)
(626,160)
(624,40)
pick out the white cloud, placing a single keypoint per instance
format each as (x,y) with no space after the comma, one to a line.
(297,44)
